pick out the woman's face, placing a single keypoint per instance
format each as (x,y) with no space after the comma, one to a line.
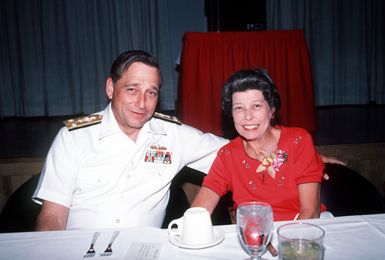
(251,114)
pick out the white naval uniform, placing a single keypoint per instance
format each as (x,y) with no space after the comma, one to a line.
(103,176)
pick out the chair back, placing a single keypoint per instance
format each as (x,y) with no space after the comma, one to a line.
(349,193)
(20,212)
(179,202)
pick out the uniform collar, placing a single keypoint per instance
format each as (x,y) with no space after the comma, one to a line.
(156,126)
(109,125)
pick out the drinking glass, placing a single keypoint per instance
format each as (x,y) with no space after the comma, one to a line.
(254,226)
(300,241)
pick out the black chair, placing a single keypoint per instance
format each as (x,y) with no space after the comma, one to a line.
(349,193)
(179,202)
(20,212)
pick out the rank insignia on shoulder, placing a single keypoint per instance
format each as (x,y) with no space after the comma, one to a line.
(171,119)
(83,121)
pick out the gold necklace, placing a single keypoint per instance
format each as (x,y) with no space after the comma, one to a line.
(262,153)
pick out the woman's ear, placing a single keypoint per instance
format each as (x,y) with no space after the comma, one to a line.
(273,113)
(109,88)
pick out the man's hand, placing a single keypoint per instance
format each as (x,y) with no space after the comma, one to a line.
(333,160)
(328,159)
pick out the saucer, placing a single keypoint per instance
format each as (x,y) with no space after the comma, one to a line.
(176,240)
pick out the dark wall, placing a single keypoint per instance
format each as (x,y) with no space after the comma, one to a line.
(235,15)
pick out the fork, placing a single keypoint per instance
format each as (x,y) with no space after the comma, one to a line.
(108,250)
(91,250)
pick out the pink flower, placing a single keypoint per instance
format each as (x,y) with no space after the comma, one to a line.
(272,162)
(279,159)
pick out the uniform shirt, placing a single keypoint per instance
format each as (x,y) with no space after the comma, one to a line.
(107,180)
(233,170)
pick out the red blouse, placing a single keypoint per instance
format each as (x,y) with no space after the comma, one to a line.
(233,170)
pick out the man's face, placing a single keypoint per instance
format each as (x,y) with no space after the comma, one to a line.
(134,97)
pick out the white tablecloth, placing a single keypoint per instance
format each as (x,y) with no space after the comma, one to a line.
(352,237)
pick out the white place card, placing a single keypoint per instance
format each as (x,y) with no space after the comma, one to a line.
(143,251)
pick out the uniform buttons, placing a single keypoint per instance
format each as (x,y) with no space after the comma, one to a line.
(117,220)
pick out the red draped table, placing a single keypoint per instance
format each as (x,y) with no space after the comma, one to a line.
(208,59)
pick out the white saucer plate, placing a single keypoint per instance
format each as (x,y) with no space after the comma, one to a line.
(176,240)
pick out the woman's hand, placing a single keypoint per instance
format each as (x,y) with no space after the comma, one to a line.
(206,198)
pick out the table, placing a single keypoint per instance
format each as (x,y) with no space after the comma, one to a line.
(350,237)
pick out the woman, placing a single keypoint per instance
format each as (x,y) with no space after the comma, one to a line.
(266,162)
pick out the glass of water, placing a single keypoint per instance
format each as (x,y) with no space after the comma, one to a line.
(300,240)
(254,225)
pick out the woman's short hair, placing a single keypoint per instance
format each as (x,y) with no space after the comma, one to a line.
(126,59)
(247,79)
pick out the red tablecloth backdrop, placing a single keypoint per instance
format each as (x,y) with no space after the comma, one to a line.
(208,59)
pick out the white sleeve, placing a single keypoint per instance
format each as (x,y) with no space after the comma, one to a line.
(58,178)
(200,149)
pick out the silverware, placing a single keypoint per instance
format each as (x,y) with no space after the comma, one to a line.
(108,250)
(91,250)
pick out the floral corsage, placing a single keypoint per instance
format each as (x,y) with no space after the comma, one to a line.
(272,162)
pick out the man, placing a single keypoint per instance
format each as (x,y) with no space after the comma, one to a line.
(114,168)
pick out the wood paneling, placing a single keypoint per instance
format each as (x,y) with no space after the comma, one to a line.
(366,159)
(14,172)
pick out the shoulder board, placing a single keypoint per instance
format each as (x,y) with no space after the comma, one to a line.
(171,119)
(83,121)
